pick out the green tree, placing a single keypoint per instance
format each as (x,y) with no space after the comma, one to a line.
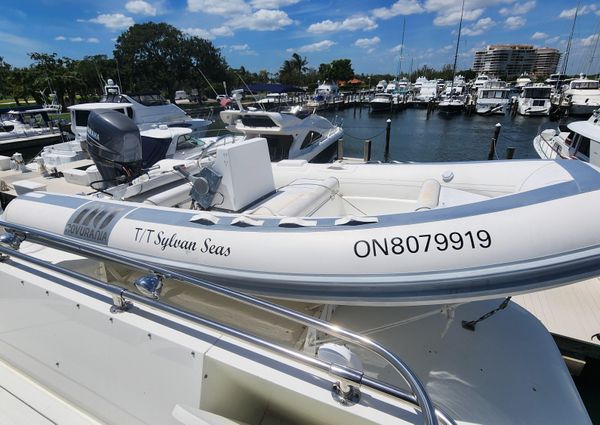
(292,70)
(341,70)
(159,57)
(4,73)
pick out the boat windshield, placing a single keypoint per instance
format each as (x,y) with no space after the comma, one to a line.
(584,85)
(537,93)
(494,94)
(187,141)
(149,99)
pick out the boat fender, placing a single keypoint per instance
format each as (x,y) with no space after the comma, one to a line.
(429,195)
(340,355)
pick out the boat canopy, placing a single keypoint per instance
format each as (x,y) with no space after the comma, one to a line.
(586,129)
(273,88)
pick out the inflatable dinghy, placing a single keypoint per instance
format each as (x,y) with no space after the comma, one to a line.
(368,234)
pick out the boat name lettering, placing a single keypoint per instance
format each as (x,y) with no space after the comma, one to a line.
(174,241)
(423,243)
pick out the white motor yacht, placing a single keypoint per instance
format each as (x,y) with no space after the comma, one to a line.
(382,102)
(381,86)
(535,100)
(580,140)
(493,98)
(29,128)
(480,81)
(326,94)
(582,97)
(523,81)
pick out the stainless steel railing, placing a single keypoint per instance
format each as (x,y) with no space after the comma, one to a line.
(420,398)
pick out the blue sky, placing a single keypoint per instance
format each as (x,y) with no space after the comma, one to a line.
(261,34)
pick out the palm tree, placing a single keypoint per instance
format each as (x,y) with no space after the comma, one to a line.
(299,63)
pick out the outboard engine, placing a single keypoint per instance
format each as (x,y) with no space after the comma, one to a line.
(115,146)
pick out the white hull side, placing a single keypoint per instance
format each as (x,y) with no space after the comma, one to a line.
(115,367)
(394,261)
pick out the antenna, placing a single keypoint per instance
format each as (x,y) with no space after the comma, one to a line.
(462,10)
(401,49)
(568,51)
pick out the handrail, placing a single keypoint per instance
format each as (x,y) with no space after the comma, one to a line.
(419,397)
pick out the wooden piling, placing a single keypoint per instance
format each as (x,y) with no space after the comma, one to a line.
(492,151)
(340,149)
(367,151)
(388,129)
(510,152)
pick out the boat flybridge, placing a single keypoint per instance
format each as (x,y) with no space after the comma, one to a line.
(535,100)
(580,141)
(28,128)
(150,280)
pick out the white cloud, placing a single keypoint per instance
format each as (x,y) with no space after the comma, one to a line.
(553,40)
(224,7)
(242,49)
(272,4)
(448,11)
(210,34)
(355,23)
(583,10)
(114,21)
(539,35)
(396,48)
(77,39)
(199,32)
(367,42)
(518,8)
(452,17)
(588,41)
(262,20)
(141,7)
(222,31)
(479,27)
(314,47)
(401,7)
(514,22)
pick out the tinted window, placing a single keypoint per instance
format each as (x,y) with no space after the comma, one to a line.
(279,146)
(81,118)
(310,138)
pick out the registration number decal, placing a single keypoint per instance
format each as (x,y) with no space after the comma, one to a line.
(479,239)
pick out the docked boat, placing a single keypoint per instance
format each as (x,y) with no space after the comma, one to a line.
(273,100)
(492,98)
(383,227)
(21,129)
(382,102)
(580,141)
(480,81)
(380,87)
(535,100)
(582,97)
(91,338)
(326,95)
(523,81)
(452,105)
(146,110)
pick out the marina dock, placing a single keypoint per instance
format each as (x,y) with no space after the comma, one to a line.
(571,313)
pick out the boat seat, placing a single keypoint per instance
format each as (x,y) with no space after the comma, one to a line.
(299,199)
(433,195)
(429,195)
